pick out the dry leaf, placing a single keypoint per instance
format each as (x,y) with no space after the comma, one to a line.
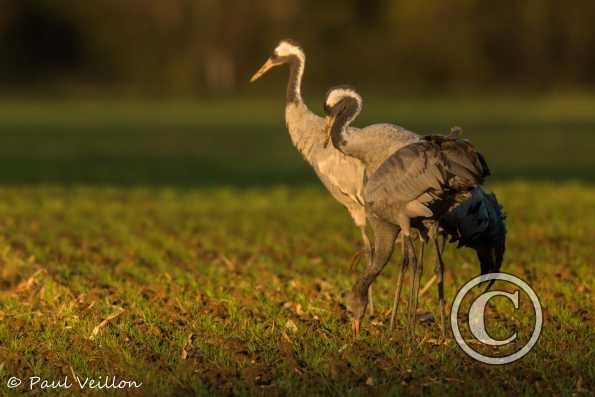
(290,326)
(229,264)
(293,284)
(186,346)
(105,322)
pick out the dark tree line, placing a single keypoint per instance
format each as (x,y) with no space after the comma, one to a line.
(193,47)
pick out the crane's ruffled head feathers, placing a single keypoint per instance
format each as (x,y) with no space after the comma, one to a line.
(288,48)
(342,98)
(342,105)
(285,52)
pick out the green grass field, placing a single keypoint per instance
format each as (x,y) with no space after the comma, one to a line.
(219,261)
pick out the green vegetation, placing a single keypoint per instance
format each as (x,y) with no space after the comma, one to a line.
(244,142)
(225,260)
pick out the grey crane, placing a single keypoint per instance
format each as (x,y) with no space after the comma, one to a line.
(342,175)
(415,187)
(478,223)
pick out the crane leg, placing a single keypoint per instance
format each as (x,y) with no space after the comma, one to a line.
(418,264)
(408,251)
(440,272)
(397,298)
(370,301)
(453,276)
(368,254)
(414,290)
(384,241)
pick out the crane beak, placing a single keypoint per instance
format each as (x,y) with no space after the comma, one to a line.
(263,69)
(330,120)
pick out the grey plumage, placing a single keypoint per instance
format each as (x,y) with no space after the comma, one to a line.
(421,181)
(373,144)
(422,175)
(414,187)
(342,175)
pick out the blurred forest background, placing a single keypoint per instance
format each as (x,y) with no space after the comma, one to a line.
(145,92)
(210,47)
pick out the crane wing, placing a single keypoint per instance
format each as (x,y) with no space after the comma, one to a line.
(406,175)
(465,163)
(416,175)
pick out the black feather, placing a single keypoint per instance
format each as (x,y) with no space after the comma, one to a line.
(479,223)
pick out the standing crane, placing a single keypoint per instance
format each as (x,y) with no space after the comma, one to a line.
(342,175)
(430,185)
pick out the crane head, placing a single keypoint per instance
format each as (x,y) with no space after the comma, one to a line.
(284,52)
(342,105)
(356,308)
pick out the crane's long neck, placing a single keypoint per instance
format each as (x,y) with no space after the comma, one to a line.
(294,85)
(305,128)
(339,129)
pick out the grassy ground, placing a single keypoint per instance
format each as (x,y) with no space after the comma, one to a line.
(220,262)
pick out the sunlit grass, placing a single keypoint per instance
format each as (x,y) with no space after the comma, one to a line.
(253,278)
(221,261)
